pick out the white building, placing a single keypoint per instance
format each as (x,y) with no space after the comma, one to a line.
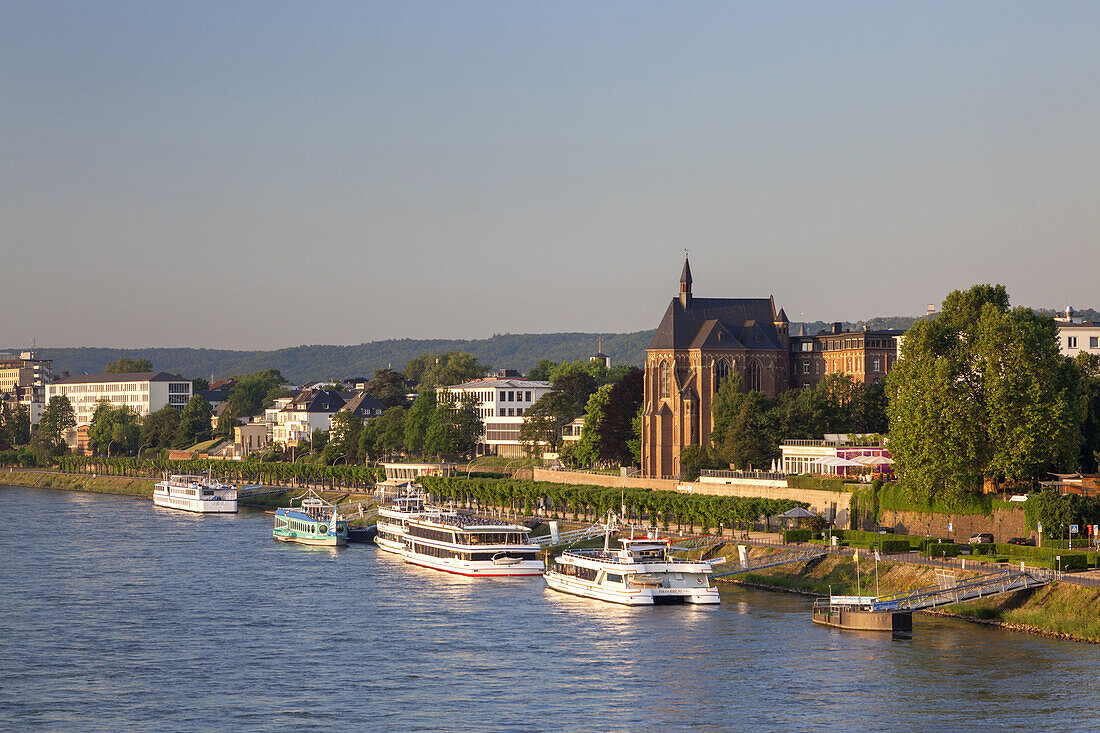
(309,411)
(142,392)
(1076,334)
(23,380)
(501,404)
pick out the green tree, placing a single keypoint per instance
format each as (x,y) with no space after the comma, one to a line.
(388,387)
(57,420)
(17,425)
(198,384)
(588,447)
(577,385)
(158,429)
(453,429)
(194,423)
(125,365)
(617,425)
(343,437)
(1089,367)
(252,393)
(441,370)
(544,421)
(749,440)
(419,419)
(981,391)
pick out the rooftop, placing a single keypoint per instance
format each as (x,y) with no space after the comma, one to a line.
(124,377)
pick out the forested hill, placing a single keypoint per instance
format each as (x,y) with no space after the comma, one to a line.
(306,363)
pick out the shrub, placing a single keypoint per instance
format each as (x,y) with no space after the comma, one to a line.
(944,549)
(797,535)
(894,545)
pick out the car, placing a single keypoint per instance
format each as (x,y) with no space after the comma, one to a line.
(885,530)
(1022,541)
(981,538)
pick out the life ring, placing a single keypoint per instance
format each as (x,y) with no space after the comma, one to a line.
(323,529)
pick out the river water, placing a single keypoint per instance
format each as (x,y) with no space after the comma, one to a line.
(116,615)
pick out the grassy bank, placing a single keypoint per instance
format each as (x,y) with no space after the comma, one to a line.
(1060,610)
(142,487)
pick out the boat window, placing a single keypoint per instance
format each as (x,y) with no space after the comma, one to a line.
(613,578)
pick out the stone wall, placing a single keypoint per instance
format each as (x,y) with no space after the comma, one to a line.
(1004,523)
(600,479)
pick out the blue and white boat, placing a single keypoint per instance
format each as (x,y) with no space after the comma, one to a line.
(313,521)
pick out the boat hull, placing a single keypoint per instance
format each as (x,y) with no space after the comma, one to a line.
(312,541)
(197,506)
(473,569)
(853,619)
(632,596)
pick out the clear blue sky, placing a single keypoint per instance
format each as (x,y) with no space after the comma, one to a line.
(269,174)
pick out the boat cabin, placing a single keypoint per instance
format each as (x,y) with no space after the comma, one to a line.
(643,549)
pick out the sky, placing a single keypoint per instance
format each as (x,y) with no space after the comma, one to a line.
(266,174)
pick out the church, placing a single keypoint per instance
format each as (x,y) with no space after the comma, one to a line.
(699,343)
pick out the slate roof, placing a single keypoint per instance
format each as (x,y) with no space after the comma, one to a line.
(744,323)
(315,400)
(364,405)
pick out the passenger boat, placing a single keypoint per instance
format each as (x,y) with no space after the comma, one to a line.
(313,521)
(640,573)
(195,494)
(862,613)
(465,544)
(393,520)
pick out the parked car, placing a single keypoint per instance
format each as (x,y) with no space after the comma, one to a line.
(1022,541)
(885,530)
(981,538)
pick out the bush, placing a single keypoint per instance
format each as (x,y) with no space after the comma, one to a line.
(944,549)
(894,545)
(819,483)
(797,535)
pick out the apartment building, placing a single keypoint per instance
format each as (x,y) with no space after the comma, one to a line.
(501,404)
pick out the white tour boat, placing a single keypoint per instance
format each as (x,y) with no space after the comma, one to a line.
(195,494)
(640,573)
(469,545)
(393,520)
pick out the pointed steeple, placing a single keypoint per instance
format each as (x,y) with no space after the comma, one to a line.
(685,284)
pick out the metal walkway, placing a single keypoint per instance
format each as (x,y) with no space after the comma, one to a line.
(949,590)
(784,557)
(576,535)
(250,491)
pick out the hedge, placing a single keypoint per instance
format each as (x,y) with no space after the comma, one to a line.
(945,549)
(797,535)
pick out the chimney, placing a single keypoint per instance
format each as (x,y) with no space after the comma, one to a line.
(931,311)
(838,327)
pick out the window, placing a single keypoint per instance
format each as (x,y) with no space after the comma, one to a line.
(754,376)
(527,396)
(878,362)
(1092,342)
(805,367)
(511,396)
(1071,342)
(807,345)
(721,372)
(664,377)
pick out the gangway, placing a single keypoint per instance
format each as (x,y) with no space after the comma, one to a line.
(259,490)
(576,535)
(775,559)
(948,590)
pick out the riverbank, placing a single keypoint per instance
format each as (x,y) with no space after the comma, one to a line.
(1059,610)
(126,485)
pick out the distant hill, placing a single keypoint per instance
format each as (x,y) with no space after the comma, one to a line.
(304,363)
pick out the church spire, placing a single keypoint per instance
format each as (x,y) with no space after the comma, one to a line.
(685,283)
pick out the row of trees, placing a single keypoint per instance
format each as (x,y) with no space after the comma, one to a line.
(666,508)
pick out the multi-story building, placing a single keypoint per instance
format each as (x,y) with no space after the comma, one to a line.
(501,404)
(142,392)
(23,380)
(308,411)
(866,356)
(1076,335)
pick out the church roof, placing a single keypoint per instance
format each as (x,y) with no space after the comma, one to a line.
(685,276)
(748,322)
(782,317)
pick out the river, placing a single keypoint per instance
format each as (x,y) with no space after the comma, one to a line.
(116,615)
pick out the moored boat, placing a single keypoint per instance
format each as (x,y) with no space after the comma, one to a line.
(313,521)
(393,520)
(465,544)
(195,494)
(642,572)
(862,613)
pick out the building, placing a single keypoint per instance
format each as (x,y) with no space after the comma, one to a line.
(142,392)
(1076,335)
(23,381)
(308,411)
(249,438)
(599,357)
(571,433)
(812,456)
(501,404)
(866,356)
(699,343)
(364,406)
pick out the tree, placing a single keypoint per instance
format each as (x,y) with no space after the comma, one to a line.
(383,435)
(617,426)
(577,385)
(57,420)
(252,393)
(125,365)
(194,423)
(158,429)
(544,421)
(981,391)
(541,371)
(453,429)
(198,384)
(749,439)
(17,425)
(440,370)
(588,447)
(388,387)
(1089,367)
(343,437)
(419,419)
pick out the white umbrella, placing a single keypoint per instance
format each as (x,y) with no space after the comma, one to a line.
(875,460)
(797,513)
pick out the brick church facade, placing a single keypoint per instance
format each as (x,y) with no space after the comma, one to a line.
(699,343)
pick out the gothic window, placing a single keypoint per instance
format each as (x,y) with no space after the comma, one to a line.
(754,376)
(665,378)
(721,372)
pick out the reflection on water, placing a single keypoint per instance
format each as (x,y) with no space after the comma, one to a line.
(118,615)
